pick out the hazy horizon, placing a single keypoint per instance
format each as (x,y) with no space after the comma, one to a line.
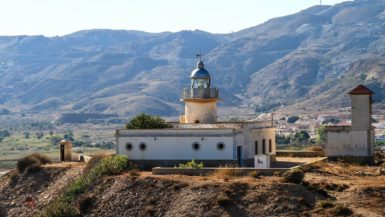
(56,18)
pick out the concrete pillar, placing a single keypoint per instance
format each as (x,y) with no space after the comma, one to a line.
(65,148)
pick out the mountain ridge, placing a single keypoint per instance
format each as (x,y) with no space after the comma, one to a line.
(308,59)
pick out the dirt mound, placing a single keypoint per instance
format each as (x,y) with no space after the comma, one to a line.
(21,194)
(128,195)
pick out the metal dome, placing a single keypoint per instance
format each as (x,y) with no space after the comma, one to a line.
(200,72)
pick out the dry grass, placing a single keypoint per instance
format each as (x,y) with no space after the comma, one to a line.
(225,173)
(315,148)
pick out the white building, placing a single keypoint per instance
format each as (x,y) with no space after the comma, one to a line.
(199,136)
(356,140)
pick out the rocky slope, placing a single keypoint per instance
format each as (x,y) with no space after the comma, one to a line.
(311,58)
(328,190)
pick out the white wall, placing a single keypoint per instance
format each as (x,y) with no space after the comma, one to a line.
(349,143)
(361,112)
(177,144)
(248,137)
(204,112)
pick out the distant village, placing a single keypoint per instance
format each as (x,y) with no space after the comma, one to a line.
(288,125)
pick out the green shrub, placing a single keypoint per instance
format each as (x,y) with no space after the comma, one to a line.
(292,119)
(192,164)
(64,205)
(93,162)
(25,162)
(144,121)
(59,209)
(293,176)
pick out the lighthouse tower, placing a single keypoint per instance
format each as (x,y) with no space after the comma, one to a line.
(200,99)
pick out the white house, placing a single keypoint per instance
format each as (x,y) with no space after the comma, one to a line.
(199,136)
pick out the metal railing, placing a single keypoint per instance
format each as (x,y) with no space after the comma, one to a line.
(200,93)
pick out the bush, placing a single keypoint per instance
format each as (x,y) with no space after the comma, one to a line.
(94,161)
(293,176)
(33,168)
(223,201)
(192,164)
(44,159)
(85,202)
(64,205)
(315,148)
(59,209)
(342,210)
(225,173)
(25,162)
(292,119)
(325,204)
(255,174)
(143,121)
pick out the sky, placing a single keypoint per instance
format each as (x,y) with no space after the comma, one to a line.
(60,17)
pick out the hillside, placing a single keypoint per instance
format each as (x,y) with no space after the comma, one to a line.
(328,190)
(311,58)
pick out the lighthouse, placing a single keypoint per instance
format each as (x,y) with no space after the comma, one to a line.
(200,99)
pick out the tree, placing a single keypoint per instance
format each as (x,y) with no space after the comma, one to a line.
(39,135)
(4,112)
(69,135)
(144,121)
(292,119)
(302,136)
(321,135)
(55,139)
(4,133)
(26,135)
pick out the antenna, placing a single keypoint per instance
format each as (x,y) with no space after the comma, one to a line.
(199,56)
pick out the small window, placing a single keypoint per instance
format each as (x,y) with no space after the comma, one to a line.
(142,146)
(197,121)
(129,146)
(263,146)
(256,147)
(196,146)
(270,146)
(221,146)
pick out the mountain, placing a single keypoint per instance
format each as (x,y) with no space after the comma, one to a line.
(309,59)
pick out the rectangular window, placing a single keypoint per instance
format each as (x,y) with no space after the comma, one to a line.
(256,147)
(263,146)
(270,146)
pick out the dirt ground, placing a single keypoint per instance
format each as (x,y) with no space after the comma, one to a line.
(329,189)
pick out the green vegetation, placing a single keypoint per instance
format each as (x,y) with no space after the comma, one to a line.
(293,176)
(69,135)
(331,121)
(4,111)
(192,164)
(65,204)
(321,135)
(301,137)
(282,139)
(144,121)
(292,119)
